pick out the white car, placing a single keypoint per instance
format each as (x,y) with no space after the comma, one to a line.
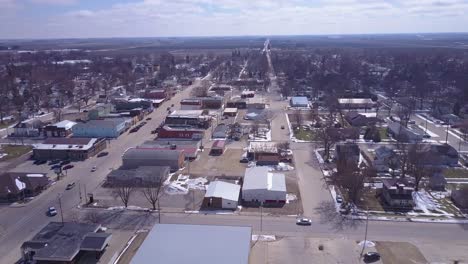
(93,169)
(303,221)
(51,211)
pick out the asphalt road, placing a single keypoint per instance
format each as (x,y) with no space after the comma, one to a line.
(18,224)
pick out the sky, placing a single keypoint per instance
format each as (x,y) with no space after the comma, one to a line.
(162,18)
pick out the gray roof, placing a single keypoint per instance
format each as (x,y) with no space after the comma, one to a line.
(149,153)
(299,100)
(95,241)
(145,173)
(61,242)
(181,244)
(225,190)
(260,178)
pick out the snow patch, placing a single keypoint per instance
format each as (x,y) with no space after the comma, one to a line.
(266,238)
(290,197)
(367,244)
(183,184)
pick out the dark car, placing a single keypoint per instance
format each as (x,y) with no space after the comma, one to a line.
(65,162)
(56,167)
(102,154)
(69,166)
(133,130)
(143,123)
(371,257)
(282,127)
(40,162)
(148,119)
(244,160)
(70,186)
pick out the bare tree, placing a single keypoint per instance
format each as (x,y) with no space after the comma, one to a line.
(92,216)
(124,192)
(402,151)
(326,139)
(351,180)
(297,118)
(417,163)
(255,128)
(152,192)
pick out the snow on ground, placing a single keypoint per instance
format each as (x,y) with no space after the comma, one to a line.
(290,197)
(430,133)
(283,167)
(424,201)
(266,238)
(319,157)
(366,243)
(183,184)
(3,155)
(424,118)
(130,207)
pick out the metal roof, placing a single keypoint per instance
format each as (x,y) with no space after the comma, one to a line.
(181,244)
(257,178)
(66,124)
(225,190)
(299,100)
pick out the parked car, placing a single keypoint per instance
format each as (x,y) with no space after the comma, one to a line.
(244,160)
(143,123)
(40,162)
(148,119)
(65,162)
(67,167)
(133,130)
(304,221)
(371,257)
(93,169)
(154,131)
(51,211)
(53,162)
(172,105)
(70,186)
(102,154)
(282,127)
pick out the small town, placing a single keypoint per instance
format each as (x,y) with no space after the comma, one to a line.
(267,149)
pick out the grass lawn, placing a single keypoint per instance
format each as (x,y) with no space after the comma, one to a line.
(370,201)
(455,173)
(4,124)
(303,134)
(14,151)
(446,205)
(383,133)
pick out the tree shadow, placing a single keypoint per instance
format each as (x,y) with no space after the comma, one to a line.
(338,222)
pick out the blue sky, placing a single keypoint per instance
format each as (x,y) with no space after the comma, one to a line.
(153,18)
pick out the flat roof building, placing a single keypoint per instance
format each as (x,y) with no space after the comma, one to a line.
(181,244)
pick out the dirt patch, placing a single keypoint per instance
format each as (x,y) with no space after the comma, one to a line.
(226,164)
(14,151)
(399,252)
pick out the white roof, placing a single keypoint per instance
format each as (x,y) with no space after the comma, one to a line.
(186,113)
(225,190)
(230,110)
(66,146)
(355,101)
(263,147)
(66,124)
(257,178)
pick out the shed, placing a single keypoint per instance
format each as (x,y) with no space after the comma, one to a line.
(262,186)
(221,195)
(218,147)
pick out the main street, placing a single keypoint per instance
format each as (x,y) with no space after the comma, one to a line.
(18,224)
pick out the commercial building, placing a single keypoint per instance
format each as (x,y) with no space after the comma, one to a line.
(265,153)
(64,243)
(68,148)
(221,195)
(220,131)
(194,118)
(19,185)
(191,148)
(230,112)
(218,147)
(129,104)
(181,244)
(107,128)
(264,187)
(60,129)
(256,103)
(180,132)
(191,104)
(139,177)
(299,101)
(137,157)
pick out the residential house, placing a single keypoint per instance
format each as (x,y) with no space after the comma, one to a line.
(16,185)
(263,187)
(68,148)
(397,193)
(383,158)
(437,155)
(356,103)
(132,103)
(405,134)
(180,244)
(60,129)
(221,195)
(347,156)
(107,128)
(299,101)
(31,128)
(358,120)
(343,133)
(65,243)
(100,110)
(137,157)
(139,177)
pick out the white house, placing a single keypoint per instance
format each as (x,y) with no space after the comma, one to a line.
(262,186)
(221,195)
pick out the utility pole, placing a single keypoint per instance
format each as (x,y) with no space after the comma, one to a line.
(365,234)
(60,206)
(446,135)
(261,217)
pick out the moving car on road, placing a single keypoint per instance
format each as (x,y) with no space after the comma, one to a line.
(304,221)
(70,186)
(51,211)
(93,169)
(102,154)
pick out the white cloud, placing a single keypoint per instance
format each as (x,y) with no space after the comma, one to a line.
(241,17)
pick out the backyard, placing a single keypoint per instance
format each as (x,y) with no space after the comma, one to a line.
(14,151)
